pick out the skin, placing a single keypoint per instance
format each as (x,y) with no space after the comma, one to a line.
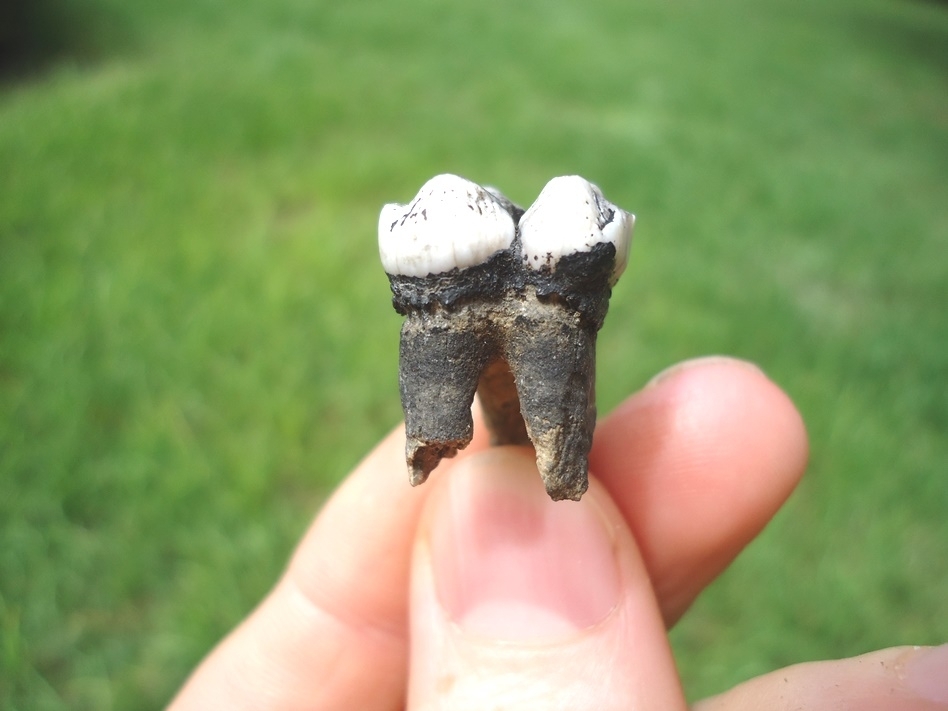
(370,613)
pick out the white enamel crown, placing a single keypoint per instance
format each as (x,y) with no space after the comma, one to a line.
(570,216)
(451,223)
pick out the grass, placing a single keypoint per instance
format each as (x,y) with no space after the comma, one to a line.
(196,341)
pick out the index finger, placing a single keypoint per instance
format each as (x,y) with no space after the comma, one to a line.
(698,462)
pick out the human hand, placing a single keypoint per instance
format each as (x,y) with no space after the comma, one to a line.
(476,591)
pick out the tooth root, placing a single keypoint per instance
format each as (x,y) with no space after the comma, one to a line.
(423,456)
(552,357)
(440,361)
(500,404)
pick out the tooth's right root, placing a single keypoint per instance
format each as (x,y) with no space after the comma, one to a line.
(553,359)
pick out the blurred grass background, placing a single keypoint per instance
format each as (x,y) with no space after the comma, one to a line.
(196,339)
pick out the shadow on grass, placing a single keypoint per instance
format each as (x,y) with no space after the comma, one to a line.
(912,37)
(37,34)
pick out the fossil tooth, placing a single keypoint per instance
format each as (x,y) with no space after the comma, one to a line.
(506,303)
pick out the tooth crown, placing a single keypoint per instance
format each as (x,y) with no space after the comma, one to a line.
(572,216)
(458,241)
(451,224)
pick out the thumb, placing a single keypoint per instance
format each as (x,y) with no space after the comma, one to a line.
(519,602)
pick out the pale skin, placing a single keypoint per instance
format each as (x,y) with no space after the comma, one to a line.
(474,591)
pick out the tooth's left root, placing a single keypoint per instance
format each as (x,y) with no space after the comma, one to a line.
(423,457)
(441,359)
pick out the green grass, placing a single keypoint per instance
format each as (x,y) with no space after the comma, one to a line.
(196,340)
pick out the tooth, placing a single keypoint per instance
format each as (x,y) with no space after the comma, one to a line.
(447,255)
(451,224)
(509,312)
(574,245)
(572,217)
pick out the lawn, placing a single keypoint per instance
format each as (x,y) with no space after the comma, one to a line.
(197,342)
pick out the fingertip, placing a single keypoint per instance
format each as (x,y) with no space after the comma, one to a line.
(697,413)
(706,436)
(894,679)
(707,361)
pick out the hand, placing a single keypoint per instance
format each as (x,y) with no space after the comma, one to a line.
(475,591)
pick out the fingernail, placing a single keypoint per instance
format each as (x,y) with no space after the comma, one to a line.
(509,563)
(702,361)
(926,674)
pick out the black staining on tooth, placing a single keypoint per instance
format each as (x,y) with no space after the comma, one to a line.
(452,289)
(605,211)
(410,212)
(580,279)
